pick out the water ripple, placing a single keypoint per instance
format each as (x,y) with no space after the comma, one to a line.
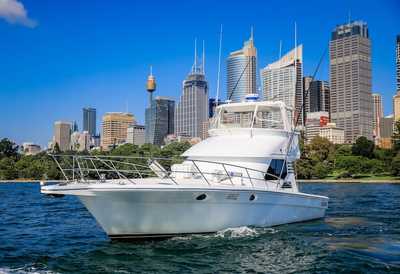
(360,234)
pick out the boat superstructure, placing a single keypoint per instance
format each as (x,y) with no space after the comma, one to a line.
(242,175)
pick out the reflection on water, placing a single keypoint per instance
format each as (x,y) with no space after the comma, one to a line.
(361,233)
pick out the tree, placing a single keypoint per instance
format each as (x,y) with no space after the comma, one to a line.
(304,169)
(350,164)
(363,147)
(8,148)
(396,136)
(343,150)
(396,165)
(56,148)
(7,169)
(321,149)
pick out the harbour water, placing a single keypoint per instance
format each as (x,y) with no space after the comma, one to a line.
(360,234)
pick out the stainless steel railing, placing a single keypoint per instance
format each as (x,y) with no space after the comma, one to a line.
(89,168)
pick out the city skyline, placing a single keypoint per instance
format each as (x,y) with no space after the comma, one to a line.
(110,81)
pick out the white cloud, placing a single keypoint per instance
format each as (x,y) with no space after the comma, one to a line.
(14,12)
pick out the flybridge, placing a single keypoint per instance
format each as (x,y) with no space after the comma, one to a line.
(252,114)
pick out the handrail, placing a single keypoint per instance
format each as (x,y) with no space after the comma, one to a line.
(108,162)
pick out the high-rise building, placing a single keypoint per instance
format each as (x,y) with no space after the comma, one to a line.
(212,104)
(318,95)
(386,132)
(378,114)
(75,127)
(283,81)
(80,141)
(136,135)
(159,118)
(396,98)
(242,69)
(62,135)
(306,86)
(396,107)
(115,126)
(192,110)
(398,63)
(350,79)
(89,120)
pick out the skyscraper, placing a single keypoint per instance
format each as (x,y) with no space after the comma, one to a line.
(136,135)
(115,126)
(386,132)
(159,118)
(62,135)
(306,85)
(398,63)
(318,95)
(396,107)
(241,69)
(283,81)
(89,120)
(192,110)
(378,114)
(350,79)
(212,104)
(396,98)
(75,127)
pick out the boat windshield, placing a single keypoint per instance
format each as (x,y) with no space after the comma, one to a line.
(248,119)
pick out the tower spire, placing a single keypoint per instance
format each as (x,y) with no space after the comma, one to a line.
(252,34)
(203,63)
(195,56)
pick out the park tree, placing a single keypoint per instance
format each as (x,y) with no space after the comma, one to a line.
(56,148)
(343,150)
(7,169)
(396,165)
(363,147)
(351,165)
(321,149)
(8,149)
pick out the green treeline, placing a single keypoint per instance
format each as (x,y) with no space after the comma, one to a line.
(320,159)
(14,165)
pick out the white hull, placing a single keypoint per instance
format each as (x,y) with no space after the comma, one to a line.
(159,213)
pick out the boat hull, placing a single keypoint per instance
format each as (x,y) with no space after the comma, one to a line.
(159,213)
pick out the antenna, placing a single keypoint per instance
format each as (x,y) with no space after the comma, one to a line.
(349,16)
(151,70)
(251,34)
(203,61)
(195,55)
(219,65)
(280,49)
(295,60)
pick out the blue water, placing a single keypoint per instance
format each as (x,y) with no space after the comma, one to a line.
(360,234)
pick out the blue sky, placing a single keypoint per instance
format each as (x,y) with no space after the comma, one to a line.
(59,56)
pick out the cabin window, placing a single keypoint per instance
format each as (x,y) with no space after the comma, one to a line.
(275,169)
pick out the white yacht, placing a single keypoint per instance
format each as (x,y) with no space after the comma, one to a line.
(241,175)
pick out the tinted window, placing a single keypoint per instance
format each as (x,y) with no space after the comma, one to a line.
(275,168)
